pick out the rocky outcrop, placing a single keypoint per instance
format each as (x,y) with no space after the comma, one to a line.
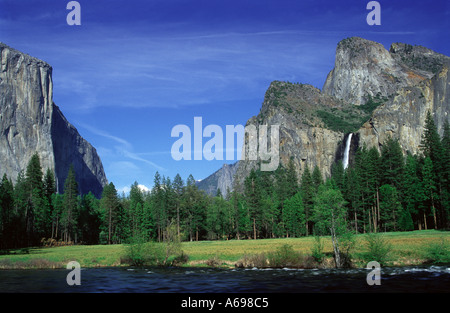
(364,68)
(30,122)
(403,117)
(406,82)
(302,135)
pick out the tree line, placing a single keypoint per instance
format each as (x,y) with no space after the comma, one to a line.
(380,191)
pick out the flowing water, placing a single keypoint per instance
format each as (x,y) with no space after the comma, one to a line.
(347,150)
(209,280)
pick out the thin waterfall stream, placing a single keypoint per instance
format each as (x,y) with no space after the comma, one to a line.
(347,150)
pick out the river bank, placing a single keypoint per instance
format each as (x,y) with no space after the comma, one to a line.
(407,249)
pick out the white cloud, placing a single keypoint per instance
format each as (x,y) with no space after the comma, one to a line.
(144,188)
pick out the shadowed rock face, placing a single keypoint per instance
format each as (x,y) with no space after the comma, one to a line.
(30,122)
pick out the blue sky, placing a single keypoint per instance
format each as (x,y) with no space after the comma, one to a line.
(135,69)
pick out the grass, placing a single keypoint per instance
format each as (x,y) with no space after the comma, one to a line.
(408,248)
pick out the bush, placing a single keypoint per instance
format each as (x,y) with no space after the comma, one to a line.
(180,259)
(378,248)
(253,260)
(213,262)
(139,252)
(439,252)
(285,256)
(317,250)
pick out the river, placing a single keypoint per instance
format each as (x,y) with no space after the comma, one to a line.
(434,279)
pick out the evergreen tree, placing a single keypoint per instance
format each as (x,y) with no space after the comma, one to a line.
(337,173)
(136,210)
(293,216)
(49,189)
(390,207)
(70,203)
(252,192)
(292,185)
(35,209)
(307,191)
(316,178)
(391,163)
(445,196)
(429,192)
(58,208)
(110,207)
(432,148)
(178,187)
(411,194)
(89,220)
(8,234)
(158,206)
(431,142)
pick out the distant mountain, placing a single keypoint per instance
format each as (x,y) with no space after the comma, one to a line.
(221,179)
(372,92)
(31,122)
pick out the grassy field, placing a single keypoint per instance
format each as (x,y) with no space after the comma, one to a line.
(408,248)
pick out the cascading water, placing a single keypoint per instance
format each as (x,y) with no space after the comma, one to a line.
(347,150)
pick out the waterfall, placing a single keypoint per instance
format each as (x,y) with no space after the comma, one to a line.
(347,150)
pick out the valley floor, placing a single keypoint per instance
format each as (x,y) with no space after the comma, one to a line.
(408,248)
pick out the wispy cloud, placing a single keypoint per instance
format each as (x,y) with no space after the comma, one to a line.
(124,147)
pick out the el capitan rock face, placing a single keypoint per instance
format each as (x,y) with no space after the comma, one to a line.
(30,122)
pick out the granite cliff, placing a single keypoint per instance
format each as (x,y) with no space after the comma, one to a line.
(371,92)
(31,122)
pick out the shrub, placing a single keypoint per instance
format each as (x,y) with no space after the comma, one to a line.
(438,252)
(285,256)
(180,259)
(140,253)
(317,250)
(378,248)
(253,260)
(213,262)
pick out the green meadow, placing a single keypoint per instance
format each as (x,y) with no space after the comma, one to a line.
(407,248)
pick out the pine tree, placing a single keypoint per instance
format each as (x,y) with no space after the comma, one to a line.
(411,194)
(352,194)
(445,196)
(317,178)
(35,208)
(430,192)
(391,163)
(110,207)
(194,209)
(431,142)
(307,191)
(337,173)
(432,148)
(21,204)
(89,221)
(390,207)
(158,205)
(252,192)
(7,215)
(293,216)
(49,189)
(178,187)
(136,212)
(70,202)
(292,185)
